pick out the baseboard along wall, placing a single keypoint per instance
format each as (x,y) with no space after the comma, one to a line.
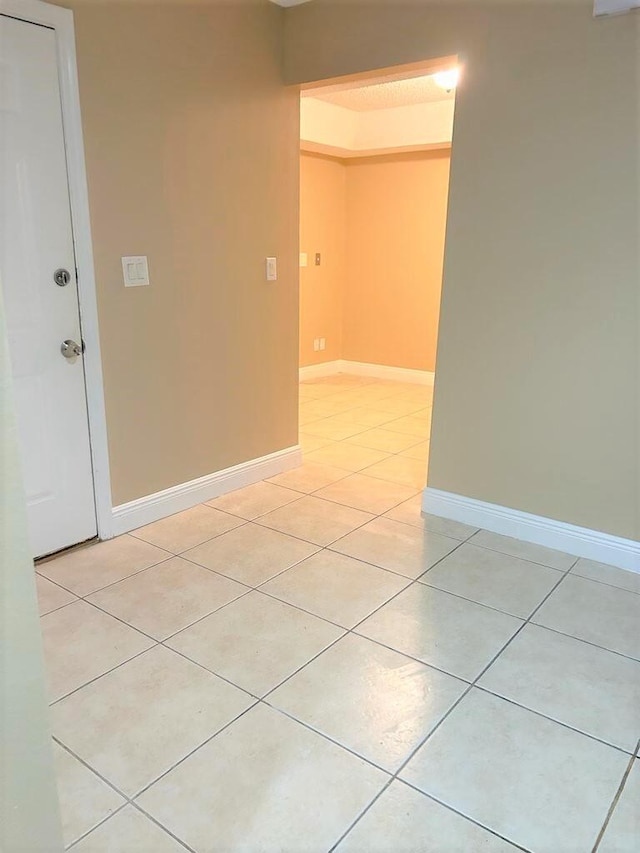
(581,541)
(361,368)
(137,513)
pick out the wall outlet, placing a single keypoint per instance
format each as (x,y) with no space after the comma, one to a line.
(318,259)
(323,343)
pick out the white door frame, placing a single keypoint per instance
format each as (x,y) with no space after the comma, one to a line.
(61,20)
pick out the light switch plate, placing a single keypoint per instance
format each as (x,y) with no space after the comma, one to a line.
(135,271)
(304,261)
(614,7)
(272,269)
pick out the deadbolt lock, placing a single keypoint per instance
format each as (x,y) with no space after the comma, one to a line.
(62,277)
(70,349)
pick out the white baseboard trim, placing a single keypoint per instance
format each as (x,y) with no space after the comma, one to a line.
(361,368)
(134,514)
(581,541)
(316,371)
(384,371)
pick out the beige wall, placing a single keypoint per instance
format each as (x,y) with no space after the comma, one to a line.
(536,403)
(396,214)
(379,223)
(323,228)
(192,157)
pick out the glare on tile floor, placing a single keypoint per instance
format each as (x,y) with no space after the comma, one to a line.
(309,477)
(381,438)
(260,783)
(254,501)
(251,554)
(505,766)
(335,587)
(372,700)
(321,622)
(398,547)
(402,818)
(282,638)
(369,494)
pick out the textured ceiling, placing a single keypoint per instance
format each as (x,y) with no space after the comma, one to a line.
(382,96)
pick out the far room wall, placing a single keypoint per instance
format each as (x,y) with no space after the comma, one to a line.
(379,225)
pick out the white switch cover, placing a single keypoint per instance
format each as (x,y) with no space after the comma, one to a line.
(614,7)
(323,343)
(135,270)
(272,269)
(304,261)
(316,344)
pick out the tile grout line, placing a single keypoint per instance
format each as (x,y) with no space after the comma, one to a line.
(192,751)
(586,642)
(97,773)
(228,681)
(155,643)
(477,678)
(360,816)
(417,580)
(451,808)
(552,719)
(161,826)
(128,801)
(161,642)
(169,556)
(616,798)
(97,677)
(102,821)
(396,775)
(411,581)
(604,583)
(346,631)
(258,701)
(258,588)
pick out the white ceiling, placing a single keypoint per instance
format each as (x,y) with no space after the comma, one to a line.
(382,96)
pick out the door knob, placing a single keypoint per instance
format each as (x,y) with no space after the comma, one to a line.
(70,349)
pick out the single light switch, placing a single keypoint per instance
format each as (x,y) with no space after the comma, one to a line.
(614,7)
(303,259)
(135,271)
(272,269)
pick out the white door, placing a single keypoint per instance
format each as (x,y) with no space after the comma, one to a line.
(36,240)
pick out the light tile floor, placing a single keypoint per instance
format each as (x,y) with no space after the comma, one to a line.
(308,664)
